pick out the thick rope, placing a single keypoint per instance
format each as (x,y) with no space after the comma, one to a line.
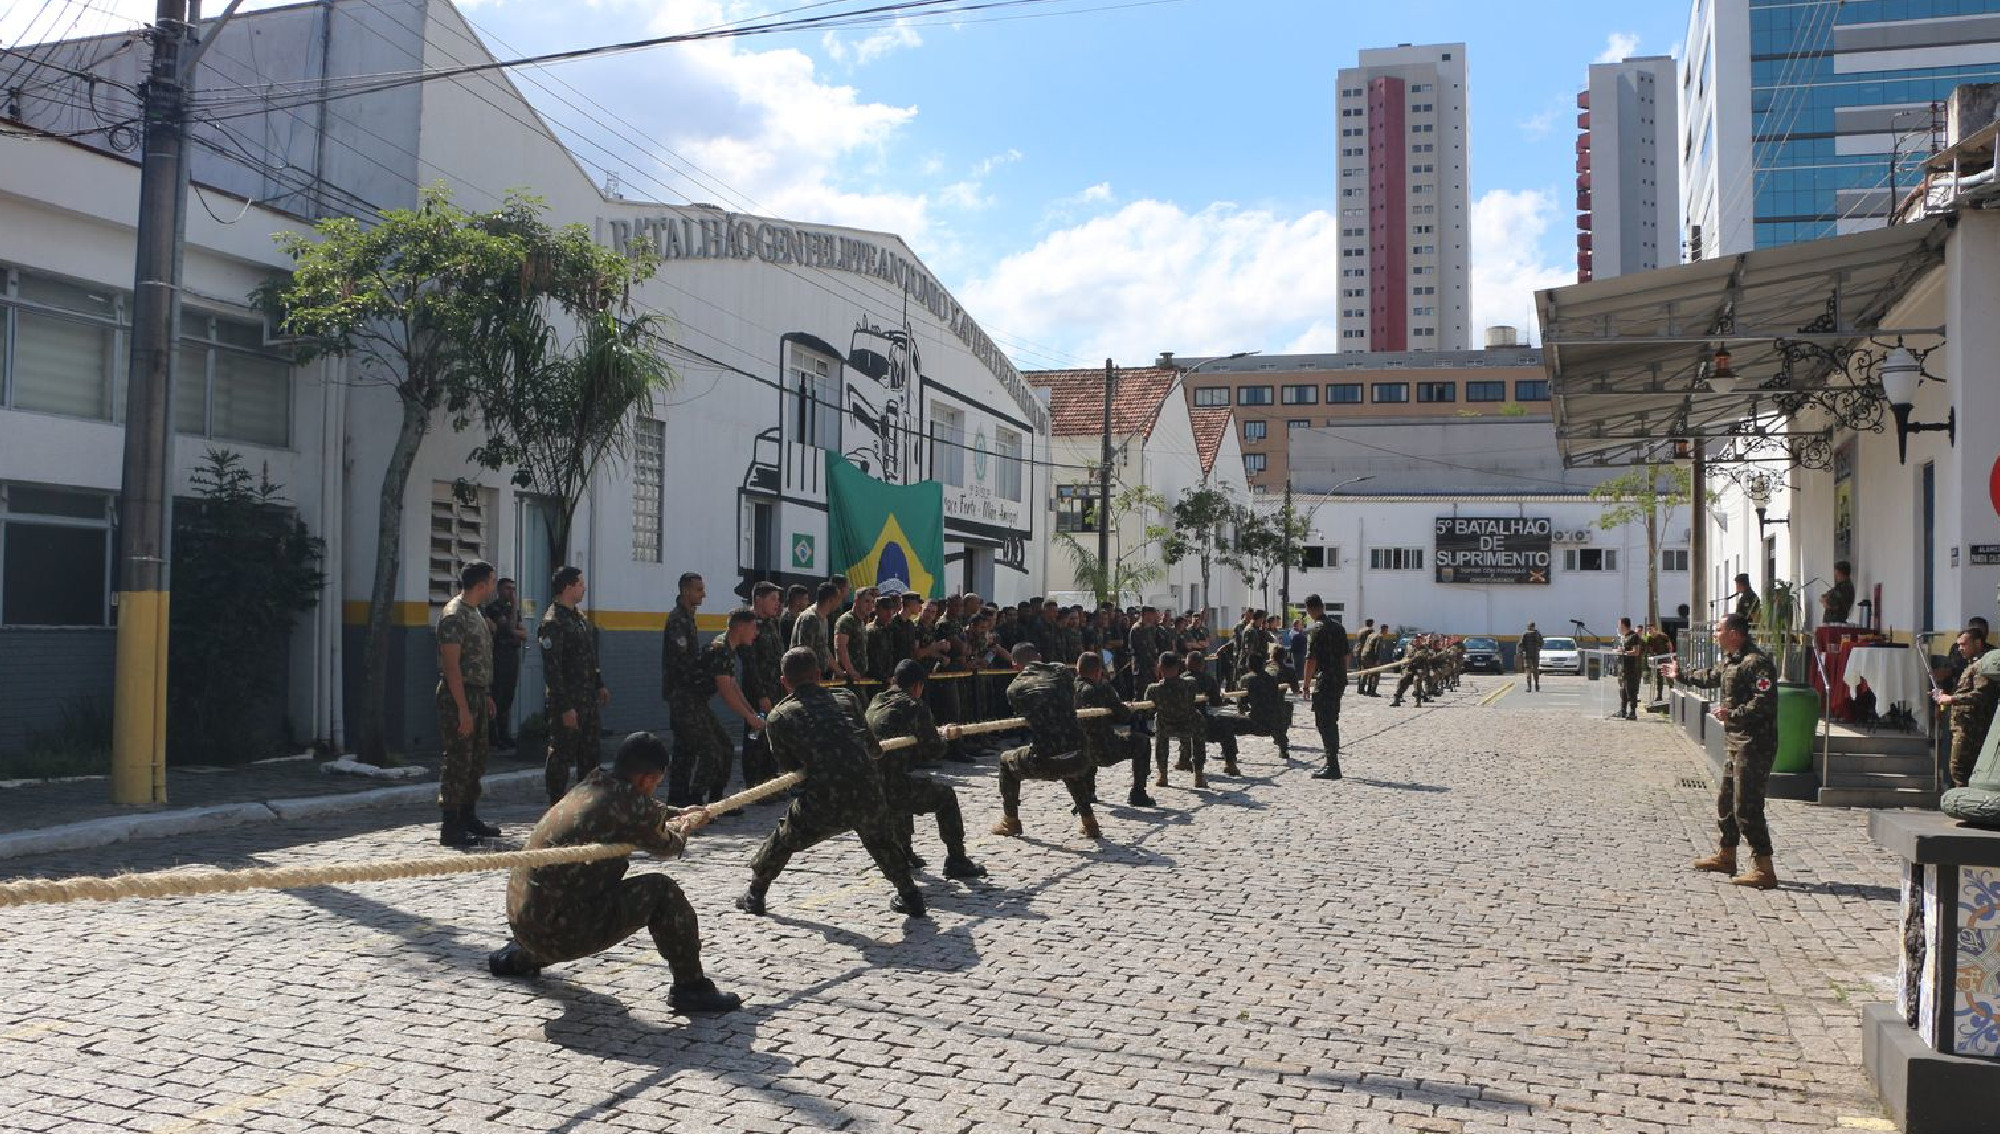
(180,884)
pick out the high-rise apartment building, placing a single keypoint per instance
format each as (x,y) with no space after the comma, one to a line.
(1805,118)
(1627,174)
(1404,199)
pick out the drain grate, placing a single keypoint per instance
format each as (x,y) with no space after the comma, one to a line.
(1694,782)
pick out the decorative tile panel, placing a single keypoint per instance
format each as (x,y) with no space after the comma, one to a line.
(1976,975)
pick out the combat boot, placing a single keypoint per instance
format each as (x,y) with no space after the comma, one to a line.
(1184,764)
(701,997)
(452,832)
(1723,861)
(1087,826)
(1008,825)
(1200,781)
(916,861)
(1760,875)
(476,825)
(512,961)
(960,866)
(1396,702)
(1229,768)
(1139,798)
(751,901)
(909,903)
(1161,779)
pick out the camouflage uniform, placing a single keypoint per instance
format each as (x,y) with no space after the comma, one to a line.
(1416,671)
(1531,658)
(811,632)
(1364,656)
(1216,725)
(1145,644)
(1971,706)
(562,913)
(710,752)
(761,662)
(849,623)
(570,683)
(1253,649)
(1072,645)
(1748,685)
(463,625)
(1268,709)
(1102,741)
(680,657)
(821,732)
(1044,693)
(882,657)
(1177,716)
(902,640)
(1631,664)
(910,794)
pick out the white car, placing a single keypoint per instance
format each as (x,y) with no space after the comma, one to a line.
(1560,655)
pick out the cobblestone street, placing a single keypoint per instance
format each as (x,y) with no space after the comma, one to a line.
(1489,926)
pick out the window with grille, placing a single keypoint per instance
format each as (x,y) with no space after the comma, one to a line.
(55,557)
(812,385)
(1009,482)
(948,446)
(460,531)
(1395,559)
(1590,559)
(649,473)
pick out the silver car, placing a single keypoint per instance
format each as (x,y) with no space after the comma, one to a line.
(1560,655)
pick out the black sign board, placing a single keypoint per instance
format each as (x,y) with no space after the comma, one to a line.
(1986,554)
(1493,549)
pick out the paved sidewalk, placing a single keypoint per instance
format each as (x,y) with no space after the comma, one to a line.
(1489,927)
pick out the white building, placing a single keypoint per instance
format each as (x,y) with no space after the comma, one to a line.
(1627,171)
(1158,442)
(790,340)
(1404,195)
(1471,527)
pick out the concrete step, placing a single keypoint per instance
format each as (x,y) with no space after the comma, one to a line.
(1924,797)
(1880,779)
(1846,741)
(1843,763)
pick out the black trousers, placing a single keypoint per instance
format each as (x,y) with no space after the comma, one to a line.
(1326,716)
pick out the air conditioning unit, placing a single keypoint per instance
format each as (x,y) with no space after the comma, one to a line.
(1583,535)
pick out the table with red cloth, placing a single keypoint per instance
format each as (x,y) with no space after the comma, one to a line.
(1833,643)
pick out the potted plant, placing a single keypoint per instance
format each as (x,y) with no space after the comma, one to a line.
(1779,620)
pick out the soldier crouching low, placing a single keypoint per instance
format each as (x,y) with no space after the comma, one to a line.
(570,911)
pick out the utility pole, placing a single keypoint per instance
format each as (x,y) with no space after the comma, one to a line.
(1285,573)
(1108,594)
(139,706)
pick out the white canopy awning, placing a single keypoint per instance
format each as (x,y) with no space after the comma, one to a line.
(1629,357)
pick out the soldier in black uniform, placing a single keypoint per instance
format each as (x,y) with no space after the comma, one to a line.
(573,910)
(898,712)
(821,732)
(1326,679)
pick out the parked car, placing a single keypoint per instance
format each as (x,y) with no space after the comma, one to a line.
(1403,647)
(1482,655)
(1560,655)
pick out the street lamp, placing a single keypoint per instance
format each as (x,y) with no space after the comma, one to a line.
(1901,373)
(1285,519)
(1759,491)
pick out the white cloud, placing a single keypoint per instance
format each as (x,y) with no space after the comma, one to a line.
(988,165)
(1537,126)
(896,37)
(1619,46)
(1095,194)
(1151,276)
(1508,262)
(963,195)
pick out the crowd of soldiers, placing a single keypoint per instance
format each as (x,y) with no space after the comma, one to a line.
(821,680)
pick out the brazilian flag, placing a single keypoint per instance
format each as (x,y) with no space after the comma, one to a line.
(880,532)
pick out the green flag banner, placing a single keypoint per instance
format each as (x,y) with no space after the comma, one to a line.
(884,535)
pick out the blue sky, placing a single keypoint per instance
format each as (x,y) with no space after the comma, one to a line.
(1117,182)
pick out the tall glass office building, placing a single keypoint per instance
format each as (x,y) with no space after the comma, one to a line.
(1803,118)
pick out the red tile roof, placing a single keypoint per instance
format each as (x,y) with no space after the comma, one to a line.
(1211,425)
(1076,399)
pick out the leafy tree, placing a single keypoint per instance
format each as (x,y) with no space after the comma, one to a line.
(403,297)
(245,566)
(1207,522)
(566,403)
(1264,548)
(1128,569)
(1645,493)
